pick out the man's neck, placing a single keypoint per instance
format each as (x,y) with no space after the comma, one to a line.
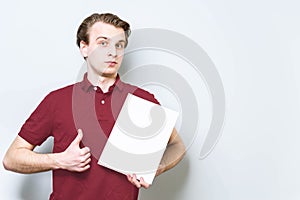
(104,82)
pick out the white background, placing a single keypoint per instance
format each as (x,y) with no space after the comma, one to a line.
(255,47)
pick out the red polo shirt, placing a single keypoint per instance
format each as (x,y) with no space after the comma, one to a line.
(83,106)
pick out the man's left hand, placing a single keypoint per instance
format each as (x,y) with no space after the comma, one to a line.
(138,183)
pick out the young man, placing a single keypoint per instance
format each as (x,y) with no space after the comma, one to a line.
(80,117)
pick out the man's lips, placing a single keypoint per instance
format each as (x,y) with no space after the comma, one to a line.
(111,63)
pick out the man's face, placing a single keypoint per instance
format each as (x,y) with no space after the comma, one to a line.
(105,49)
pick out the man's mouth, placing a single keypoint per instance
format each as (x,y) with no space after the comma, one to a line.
(111,63)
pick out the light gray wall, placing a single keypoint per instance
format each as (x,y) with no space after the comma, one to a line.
(255,48)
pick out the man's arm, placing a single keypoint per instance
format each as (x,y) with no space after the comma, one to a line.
(173,154)
(21,158)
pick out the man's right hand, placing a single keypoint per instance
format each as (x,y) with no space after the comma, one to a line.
(74,158)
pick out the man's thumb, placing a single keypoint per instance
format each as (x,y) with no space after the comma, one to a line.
(78,138)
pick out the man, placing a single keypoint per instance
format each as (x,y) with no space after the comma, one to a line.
(80,117)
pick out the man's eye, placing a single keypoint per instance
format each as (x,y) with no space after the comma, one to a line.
(103,43)
(120,45)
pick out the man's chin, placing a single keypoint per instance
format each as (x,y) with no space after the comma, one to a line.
(108,74)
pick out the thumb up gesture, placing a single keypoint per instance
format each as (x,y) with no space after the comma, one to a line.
(75,158)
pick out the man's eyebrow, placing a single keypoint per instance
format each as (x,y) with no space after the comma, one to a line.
(101,37)
(106,38)
(122,41)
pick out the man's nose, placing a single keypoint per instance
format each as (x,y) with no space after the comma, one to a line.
(112,51)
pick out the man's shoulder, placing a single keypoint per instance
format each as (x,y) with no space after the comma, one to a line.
(62,94)
(63,91)
(140,92)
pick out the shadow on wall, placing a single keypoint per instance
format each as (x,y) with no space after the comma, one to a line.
(169,184)
(38,186)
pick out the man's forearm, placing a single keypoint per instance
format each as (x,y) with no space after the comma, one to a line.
(21,158)
(174,152)
(26,161)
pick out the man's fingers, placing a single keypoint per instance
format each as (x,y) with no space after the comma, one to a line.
(129,177)
(86,162)
(143,183)
(138,183)
(76,158)
(82,169)
(85,157)
(85,150)
(135,181)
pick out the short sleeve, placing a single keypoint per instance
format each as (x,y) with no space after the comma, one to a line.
(38,127)
(146,95)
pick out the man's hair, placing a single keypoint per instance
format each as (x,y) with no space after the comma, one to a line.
(108,18)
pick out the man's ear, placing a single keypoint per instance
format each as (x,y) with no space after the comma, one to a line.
(83,49)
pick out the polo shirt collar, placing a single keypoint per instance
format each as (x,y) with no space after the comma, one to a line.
(87,86)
